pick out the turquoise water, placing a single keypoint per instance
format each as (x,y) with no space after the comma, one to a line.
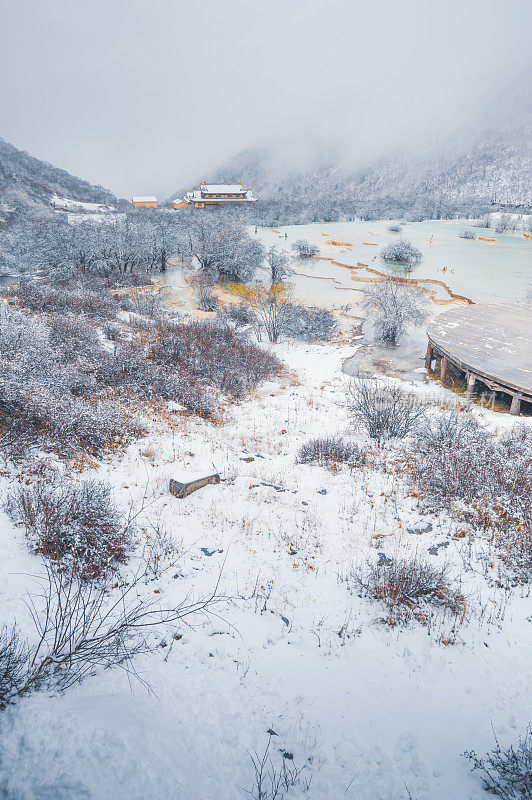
(482,271)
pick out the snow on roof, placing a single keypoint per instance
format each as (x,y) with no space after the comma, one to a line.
(222,188)
(198,195)
(149,199)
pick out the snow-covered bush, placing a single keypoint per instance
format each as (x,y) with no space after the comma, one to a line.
(395,228)
(330,451)
(241,314)
(305,249)
(215,355)
(466,234)
(48,416)
(392,306)
(112,331)
(408,587)
(308,323)
(75,297)
(401,252)
(507,774)
(49,388)
(74,524)
(147,302)
(485,479)
(74,339)
(382,409)
(449,429)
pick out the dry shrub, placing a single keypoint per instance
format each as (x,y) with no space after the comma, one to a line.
(88,299)
(13,663)
(129,369)
(329,452)
(241,314)
(74,339)
(38,417)
(218,356)
(384,410)
(74,524)
(410,588)
(484,479)
(112,331)
(507,774)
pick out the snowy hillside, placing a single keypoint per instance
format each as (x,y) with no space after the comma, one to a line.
(366,710)
(25,180)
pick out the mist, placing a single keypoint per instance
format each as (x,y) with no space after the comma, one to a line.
(146,97)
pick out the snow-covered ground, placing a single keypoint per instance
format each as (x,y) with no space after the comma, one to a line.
(374,713)
(67,204)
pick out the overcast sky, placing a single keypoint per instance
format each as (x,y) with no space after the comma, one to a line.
(144,96)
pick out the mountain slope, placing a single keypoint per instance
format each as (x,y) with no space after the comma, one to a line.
(479,168)
(25,180)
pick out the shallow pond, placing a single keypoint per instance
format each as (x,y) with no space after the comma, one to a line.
(480,270)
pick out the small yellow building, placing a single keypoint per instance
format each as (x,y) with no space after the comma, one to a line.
(144,202)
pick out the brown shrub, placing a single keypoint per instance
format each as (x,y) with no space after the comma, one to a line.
(410,588)
(484,480)
(216,355)
(75,524)
(329,452)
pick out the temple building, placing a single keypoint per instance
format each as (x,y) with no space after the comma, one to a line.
(144,202)
(216,194)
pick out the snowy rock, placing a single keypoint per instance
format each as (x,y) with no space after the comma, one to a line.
(420,527)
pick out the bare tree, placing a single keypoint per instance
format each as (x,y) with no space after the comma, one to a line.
(224,249)
(391,306)
(384,410)
(278,263)
(272,305)
(82,627)
(207,300)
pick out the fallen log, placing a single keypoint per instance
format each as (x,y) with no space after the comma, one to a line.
(182,489)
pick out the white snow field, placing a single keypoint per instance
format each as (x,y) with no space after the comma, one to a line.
(372,712)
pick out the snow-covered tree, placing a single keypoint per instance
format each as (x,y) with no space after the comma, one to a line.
(401,252)
(391,306)
(305,249)
(224,248)
(278,265)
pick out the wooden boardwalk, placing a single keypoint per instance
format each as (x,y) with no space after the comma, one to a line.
(491,343)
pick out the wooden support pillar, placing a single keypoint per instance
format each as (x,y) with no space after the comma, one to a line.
(428,357)
(515,408)
(471,381)
(443,369)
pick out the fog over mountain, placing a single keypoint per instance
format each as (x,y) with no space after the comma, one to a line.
(144,97)
(467,171)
